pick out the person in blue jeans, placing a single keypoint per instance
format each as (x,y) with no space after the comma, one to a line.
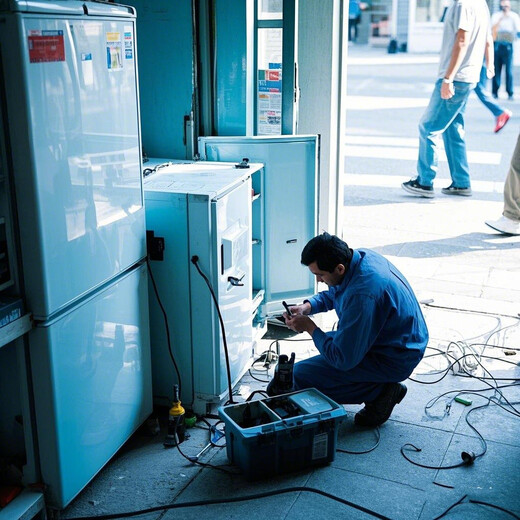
(381,334)
(502,115)
(466,39)
(505,26)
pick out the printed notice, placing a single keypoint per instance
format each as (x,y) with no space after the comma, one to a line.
(269,100)
(129,44)
(46,46)
(114,51)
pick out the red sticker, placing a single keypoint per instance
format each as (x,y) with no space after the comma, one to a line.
(46,48)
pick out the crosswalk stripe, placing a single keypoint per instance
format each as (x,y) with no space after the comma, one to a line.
(410,154)
(394,181)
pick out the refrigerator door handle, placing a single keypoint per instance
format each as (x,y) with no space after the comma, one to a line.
(236,282)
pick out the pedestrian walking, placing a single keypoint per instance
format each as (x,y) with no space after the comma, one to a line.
(509,222)
(502,115)
(465,37)
(505,26)
(354,19)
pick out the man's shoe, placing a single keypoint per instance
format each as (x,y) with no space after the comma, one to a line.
(502,119)
(505,225)
(413,187)
(453,190)
(377,412)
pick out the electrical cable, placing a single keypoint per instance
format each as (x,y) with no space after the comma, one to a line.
(271,493)
(256,392)
(479,502)
(468,457)
(378,439)
(195,460)
(148,171)
(450,508)
(195,262)
(467,311)
(168,340)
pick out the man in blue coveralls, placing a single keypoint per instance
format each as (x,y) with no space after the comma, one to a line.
(381,334)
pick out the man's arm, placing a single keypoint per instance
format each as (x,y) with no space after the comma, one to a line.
(460,47)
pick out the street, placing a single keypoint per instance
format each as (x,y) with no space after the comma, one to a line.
(441,244)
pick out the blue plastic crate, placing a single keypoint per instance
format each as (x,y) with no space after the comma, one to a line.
(282,434)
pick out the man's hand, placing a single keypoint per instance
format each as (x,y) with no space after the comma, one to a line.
(303,309)
(490,71)
(300,323)
(447,90)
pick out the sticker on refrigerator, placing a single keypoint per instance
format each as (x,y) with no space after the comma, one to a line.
(114,51)
(87,69)
(46,46)
(129,44)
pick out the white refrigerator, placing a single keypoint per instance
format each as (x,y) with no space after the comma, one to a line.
(72,149)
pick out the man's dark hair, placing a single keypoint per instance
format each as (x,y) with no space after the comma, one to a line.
(327,251)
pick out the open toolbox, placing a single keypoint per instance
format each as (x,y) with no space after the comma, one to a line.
(279,434)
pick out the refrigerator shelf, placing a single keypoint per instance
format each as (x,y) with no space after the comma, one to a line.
(15,329)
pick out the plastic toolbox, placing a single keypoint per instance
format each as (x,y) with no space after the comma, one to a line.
(281,434)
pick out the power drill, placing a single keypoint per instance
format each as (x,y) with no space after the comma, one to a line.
(282,381)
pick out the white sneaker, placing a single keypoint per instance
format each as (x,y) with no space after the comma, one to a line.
(505,225)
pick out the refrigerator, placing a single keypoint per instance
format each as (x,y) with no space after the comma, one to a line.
(73,153)
(202,210)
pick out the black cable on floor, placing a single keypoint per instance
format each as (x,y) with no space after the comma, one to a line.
(479,502)
(378,439)
(267,494)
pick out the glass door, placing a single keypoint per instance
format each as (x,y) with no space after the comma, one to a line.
(275,71)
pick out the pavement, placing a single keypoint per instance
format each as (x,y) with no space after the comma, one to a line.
(468,279)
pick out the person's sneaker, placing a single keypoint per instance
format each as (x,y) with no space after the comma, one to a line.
(505,225)
(377,412)
(412,186)
(453,190)
(502,119)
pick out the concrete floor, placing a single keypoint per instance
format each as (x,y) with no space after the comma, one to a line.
(468,278)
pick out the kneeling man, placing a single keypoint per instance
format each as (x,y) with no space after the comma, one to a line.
(381,334)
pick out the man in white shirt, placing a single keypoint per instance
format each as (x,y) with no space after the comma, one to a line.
(506,26)
(466,40)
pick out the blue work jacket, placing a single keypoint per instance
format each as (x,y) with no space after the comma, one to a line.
(376,308)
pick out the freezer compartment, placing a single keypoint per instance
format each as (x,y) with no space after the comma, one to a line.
(91,372)
(73,123)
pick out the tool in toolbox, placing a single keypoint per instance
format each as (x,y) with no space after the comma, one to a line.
(282,381)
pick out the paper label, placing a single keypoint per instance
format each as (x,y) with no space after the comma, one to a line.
(46,46)
(320,446)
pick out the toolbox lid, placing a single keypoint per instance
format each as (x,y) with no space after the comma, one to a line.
(311,401)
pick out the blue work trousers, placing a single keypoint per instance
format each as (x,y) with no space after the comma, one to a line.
(503,57)
(444,117)
(361,384)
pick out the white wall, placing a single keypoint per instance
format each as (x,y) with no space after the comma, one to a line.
(322,53)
